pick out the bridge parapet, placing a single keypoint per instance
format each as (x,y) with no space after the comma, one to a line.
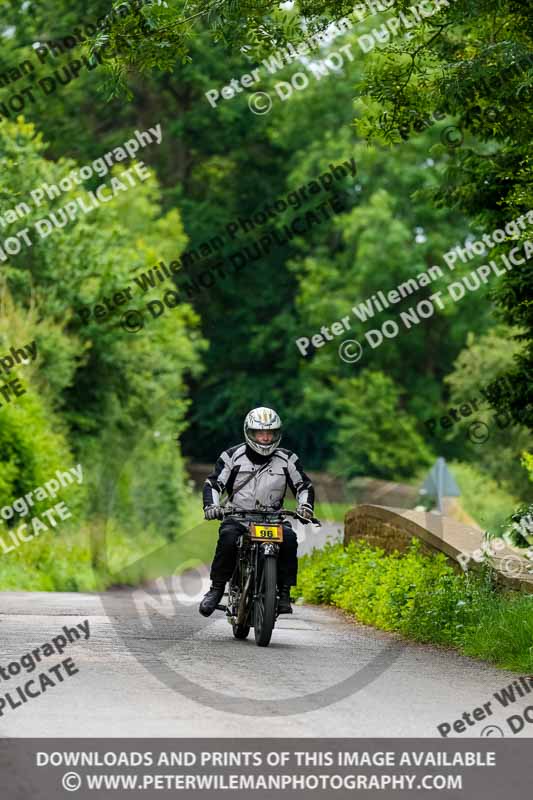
(393,529)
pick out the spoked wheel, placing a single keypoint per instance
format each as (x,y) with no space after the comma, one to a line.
(265,603)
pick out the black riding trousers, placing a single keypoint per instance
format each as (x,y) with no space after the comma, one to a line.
(226,554)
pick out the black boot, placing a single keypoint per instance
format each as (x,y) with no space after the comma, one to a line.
(284,604)
(213,597)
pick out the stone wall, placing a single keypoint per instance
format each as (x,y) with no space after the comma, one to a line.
(382,527)
(393,529)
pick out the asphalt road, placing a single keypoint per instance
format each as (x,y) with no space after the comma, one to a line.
(153,667)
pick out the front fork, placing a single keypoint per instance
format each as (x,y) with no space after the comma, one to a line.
(239,587)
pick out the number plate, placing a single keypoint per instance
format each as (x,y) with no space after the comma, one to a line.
(267,533)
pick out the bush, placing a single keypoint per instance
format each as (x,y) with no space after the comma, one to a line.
(66,559)
(375,436)
(422,597)
(518,528)
(31,451)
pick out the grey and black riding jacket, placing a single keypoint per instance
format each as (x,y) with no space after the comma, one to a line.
(269,477)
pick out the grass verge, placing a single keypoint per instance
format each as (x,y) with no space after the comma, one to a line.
(63,560)
(423,598)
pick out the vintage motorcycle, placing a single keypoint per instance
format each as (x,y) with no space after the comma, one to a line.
(253,594)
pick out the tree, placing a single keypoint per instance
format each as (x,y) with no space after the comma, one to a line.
(109,385)
(481,371)
(473,61)
(374,436)
(466,58)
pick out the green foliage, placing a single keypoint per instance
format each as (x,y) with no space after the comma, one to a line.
(484,498)
(480,372)
(33,439)
(374,435)
(503,633)
(423,598)
(414,594)
(101,396)
(483,360)
(527,461)
(58,562)
(63,559)
(474,55)
(30,450)
(95,390)
(518,528)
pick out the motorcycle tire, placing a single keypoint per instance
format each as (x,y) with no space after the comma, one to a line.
(241,631)
(265,603)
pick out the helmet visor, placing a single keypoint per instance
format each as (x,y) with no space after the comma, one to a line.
(263,437)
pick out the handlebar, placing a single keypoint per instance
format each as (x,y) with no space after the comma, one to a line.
(228,512)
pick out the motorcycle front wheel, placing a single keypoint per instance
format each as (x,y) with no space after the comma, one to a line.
(265,603)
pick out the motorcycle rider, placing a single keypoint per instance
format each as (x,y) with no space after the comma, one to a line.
(255,475)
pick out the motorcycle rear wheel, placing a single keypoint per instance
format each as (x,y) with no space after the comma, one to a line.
(265,603)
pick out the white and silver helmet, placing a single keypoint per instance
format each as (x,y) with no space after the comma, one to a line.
(262,419)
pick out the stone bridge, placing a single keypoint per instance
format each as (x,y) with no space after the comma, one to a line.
(393,529)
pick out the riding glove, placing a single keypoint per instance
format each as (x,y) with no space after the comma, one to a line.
(212,512)
(305,511)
